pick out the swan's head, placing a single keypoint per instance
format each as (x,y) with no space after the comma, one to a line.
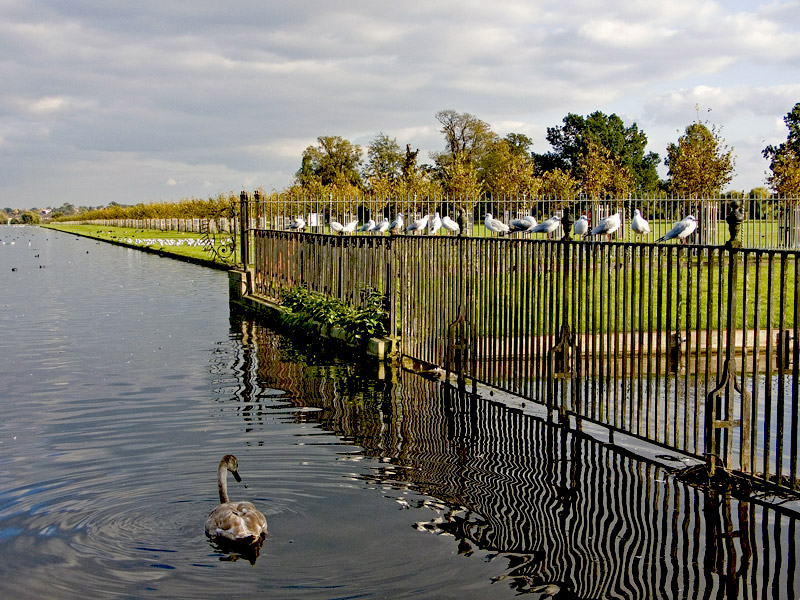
(229,462)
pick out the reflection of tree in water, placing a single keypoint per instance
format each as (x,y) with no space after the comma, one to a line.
(572,517)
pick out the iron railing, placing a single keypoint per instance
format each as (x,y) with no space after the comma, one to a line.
(690,346)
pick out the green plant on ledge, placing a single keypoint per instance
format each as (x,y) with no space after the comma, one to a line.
(304,307)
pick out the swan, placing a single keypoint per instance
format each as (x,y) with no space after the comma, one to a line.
(234,521)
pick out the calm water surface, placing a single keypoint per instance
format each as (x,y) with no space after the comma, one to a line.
(125,378)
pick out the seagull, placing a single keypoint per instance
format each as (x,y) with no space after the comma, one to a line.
(548,226)
(368,226)
(382,226)
(608,225)
(336,227)
(640,224)
(494,225)
(418,226)
(435,224)
(298,224)
(524,225)
(581,226)
(350,227)
(450,225)
(681,230)
(397,225)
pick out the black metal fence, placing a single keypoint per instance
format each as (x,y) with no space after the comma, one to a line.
(770,222)
(690,346)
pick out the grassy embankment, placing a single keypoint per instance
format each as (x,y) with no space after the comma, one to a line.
(174,244)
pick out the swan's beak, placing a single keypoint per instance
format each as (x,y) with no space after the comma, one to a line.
(236,476)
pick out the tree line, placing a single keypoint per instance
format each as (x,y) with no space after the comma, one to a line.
(595,156)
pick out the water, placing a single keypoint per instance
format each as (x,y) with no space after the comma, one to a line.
(125,378)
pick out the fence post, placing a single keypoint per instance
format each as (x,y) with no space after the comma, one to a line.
(244,228)
(719,402)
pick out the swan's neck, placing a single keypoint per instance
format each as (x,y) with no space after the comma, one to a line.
(222,484)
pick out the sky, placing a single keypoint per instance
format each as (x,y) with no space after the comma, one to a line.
(158,101)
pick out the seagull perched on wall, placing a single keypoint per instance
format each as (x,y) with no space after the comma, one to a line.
(397,225)
(522,225)
(581,226)
(336,227)
(639,224)
(381,226)
(608,225)
(450,225)
(418,226)
(681,230)
(435,224)
(495,225)
(297,225)
(350,227)
(368,226)
(547,226)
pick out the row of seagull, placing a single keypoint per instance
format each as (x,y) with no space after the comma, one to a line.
(418,226)
(527,224)
(607,226)
(169,242)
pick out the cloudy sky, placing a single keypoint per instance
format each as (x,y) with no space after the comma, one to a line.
(146,101)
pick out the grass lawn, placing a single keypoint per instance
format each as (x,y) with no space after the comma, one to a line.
(184,245)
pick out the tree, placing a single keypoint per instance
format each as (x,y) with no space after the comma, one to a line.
(507,169)
(600,175)
(333,163)
(785,158)
(468,140)
(699,164)
(624,147)
(385,160)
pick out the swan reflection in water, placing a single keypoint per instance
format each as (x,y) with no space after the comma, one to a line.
(235,528)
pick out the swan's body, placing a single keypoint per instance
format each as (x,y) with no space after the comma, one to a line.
(234,521)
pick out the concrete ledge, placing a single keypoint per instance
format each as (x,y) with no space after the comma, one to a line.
(239,286)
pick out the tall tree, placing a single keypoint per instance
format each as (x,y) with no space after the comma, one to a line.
(385,160)
(785,158)
(467,140)
(507,169)
(700,164)
(333,162)
(600,175)
(625,146)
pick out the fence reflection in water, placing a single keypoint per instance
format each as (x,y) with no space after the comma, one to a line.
(558,506)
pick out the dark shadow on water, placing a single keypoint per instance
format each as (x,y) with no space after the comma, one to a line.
(229,551)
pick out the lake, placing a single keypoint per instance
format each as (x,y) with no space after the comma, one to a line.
(125,378)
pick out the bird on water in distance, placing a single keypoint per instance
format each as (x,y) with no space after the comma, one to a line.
(639,224)
(495,225)
(239,522)
(681,230)
(607,226)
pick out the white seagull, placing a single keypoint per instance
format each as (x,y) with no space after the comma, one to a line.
(640,224)
(435,224)
(681,230)
(581,226)
(524,225)
(350,227)
(547,226)
(608,225)
(382,226)
(450,225)
(494,225)
(397,225)
(368,226)
(298,224)
(418,226)
(336,227)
